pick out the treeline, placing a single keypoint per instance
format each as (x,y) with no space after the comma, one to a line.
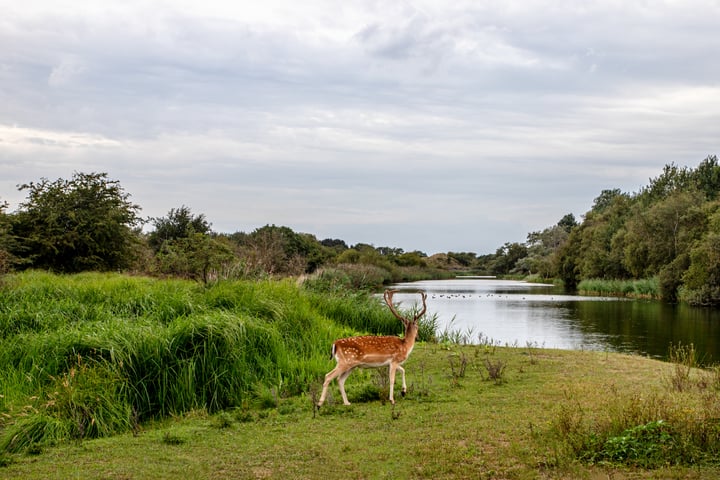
(669,231)
(88,223)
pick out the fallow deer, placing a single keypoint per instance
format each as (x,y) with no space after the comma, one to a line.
(374,351)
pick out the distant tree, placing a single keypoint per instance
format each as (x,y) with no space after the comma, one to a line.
(707,177)
(350,255)
(335,244)
(605,200)
(507,257)
(280,250)
(198,256)
(411,259)
(86,223)
(658,233)
(179,223)
(543,248)
(568,222)
(599,252)
(366,248)
(672,179)
(568,259)
(701,280)
(466,259)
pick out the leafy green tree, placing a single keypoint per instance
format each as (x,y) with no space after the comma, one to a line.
(701,280)
(657,234)
(543,247)
(412,259)
(599,253)
(350,255)
(568,222)
(507,257)
(672,179)
(466,259)
(335,245)
(198,256)
(86,223)
(707,177)
(281,251)
(179,223)
(568,258)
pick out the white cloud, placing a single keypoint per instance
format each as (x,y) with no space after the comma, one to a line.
(430,125)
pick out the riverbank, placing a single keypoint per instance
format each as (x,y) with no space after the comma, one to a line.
(471,412)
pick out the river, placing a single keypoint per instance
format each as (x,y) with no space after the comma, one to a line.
(507,312)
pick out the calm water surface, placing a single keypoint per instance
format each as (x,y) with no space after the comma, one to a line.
(519,313)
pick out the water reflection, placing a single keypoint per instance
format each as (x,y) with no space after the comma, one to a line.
(519,313)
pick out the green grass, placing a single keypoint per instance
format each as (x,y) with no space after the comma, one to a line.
(642,288)
(161,379)
(450,425)
(92,355)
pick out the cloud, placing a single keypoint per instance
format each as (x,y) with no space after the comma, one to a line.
(426,125)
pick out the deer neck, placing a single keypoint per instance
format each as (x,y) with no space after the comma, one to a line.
(411,332)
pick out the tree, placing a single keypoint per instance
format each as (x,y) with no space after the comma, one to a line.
(197,256)
(335,244)
(568,222)
(672,179)
(180,223)
(507,257)
(701,280)
(707,177)
(657,234)
(599,252)
(543,247)
(466,259)
(85,223)
(279,250)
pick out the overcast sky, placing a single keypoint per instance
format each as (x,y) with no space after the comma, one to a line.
(424,125)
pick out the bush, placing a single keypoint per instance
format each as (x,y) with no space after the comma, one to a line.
(349,276)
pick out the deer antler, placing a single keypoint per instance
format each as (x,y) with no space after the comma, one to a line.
(388,299)
(422,312)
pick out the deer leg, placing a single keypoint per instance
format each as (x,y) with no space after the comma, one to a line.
(328,378)
(391,373)
(341,384)
(404,385)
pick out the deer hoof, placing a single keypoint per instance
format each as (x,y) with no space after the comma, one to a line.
(402,393)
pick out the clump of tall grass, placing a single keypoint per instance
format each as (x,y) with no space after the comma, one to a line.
(675,427)
(639,288)
(91,355)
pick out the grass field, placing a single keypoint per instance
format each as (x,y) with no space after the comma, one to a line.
(106,376)
(456,422)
